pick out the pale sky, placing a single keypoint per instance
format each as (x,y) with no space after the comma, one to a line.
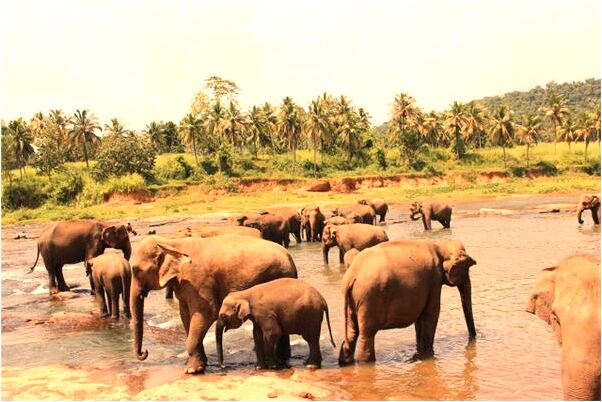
(141,61)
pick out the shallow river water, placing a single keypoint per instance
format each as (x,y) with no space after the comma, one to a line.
(515,355)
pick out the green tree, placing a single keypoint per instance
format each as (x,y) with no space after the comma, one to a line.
(154,132)
(556,111)
(290,126)
(475,123)
(317,126)
(235,125)
(501,129)
(222,87)
(528,132)
(403,113)
(116,128)
(568,130)
(455,124)
(83,131)
(122,155)
(590,127)
(191,129)
(21,142)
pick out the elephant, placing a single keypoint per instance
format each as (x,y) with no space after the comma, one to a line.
(280,307)
(210,231)
(379,206)
(272,227)
(349,257)
(313,223)
(112,275)
(431,210)
(70,242)
(591,202)
(202,272)
(397,284)
(567,297)
(366,212)
(339,220)
(346,237)
(293,217)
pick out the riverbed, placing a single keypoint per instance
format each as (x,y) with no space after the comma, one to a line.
(57,348)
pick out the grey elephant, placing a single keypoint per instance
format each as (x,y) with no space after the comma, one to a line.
(397,284)
(365,212)
(70,242)
(277,308)
(202,272)
(433,210)
(567,297)
(591,202)
(272,227)
(313,223)
(291,216)
(346,237)
(112,277)
(379,205)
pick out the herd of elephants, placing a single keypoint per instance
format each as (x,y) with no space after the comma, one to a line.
(243,271)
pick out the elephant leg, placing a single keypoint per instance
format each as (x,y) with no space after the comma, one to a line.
(283,348)
(52,286)
(365,348)
(341,255)
(125,295)
(286,241)
(315,356)
(185,316)
(259,350)
(114,304)
(426,326)
(101,302)
(347,350)
(271,335)
(197,360)
(168,292)
(60,279)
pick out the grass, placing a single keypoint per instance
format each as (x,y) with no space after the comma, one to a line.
(173,197)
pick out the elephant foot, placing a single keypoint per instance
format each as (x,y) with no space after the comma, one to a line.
(104,315)
(53,291)
(313,366)
(64,288)
(195,365)
(115,317)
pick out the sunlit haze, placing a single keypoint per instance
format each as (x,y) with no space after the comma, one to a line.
(143,61)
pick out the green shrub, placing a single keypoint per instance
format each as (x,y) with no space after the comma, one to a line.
(223,159)
(417,164)
(547,168)
(247,164)
(381,160)
(517,171)
(431,171)
(119,156)
(27,192)
(125,184)
(177,168)
(592,168)
(220,181)
(66,187)
(208,166)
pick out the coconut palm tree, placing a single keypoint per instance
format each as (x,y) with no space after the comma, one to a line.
(290,125)
(216,120)
(154,132)
(21,140)
(569,130)
(432,129)
(115,128)
(501,129)
(317,126)
(590,128)
(83,131)
(556,111)
(528,132)
(403,112)
(234,125)
(191,129)
(270,121)
(455,124)
(475,122)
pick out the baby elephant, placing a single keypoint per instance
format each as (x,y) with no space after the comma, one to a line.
(277,308)
(111,274)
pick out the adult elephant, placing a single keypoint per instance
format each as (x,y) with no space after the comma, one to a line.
(357,235)
(567,297)
(379,206)
(202,272)
(397,284)
(211,231)
(70,242)
(313,223)
(292,217)
(366,212)
(431,210)
(591,202)
(272,227)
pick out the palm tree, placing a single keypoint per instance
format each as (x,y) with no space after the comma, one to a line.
(475,122)
(403,112)
(115,128)
(590,127)
(455,124)
(432,129)
(21,142)
(83,127)
(501,129)
(528,132)
(234,125)
(216,120)
(568,131)
(154,131)
(317,125)
(191,129)
(556,111)
(290,125)
(270,121)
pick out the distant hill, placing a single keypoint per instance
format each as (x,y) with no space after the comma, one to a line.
(580,96)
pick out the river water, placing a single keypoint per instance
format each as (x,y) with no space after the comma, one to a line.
(515,355)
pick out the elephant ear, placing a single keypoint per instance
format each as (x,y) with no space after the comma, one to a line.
(110,236)
(243,310)
(542,298)
(595,200)
(456,266)
(171,262)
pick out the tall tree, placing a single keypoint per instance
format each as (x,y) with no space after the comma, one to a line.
(501,130)
(222,87)
(317,126)
(475,123)
(290,126)
(568,130)
(556,111)
(270,121)
(528,132)
(235,125)
(403,112)
(83,131)
(154,132)
(191,130)
(216,121)
(455,124)
(115,128)
(21,142)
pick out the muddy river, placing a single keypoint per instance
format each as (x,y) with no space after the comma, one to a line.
(515,355)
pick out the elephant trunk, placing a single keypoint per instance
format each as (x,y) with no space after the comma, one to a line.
(415,216)
(466,297)
(127,250)
(325,254)
(579,213)
(137,311)
(219,333)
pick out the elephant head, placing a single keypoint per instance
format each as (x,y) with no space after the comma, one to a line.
(591,202)
(353,218)
(329,236)
(233,313)
(455,266)
(542,298)
(153,265)
(416,210)
(117,237)
(362,202)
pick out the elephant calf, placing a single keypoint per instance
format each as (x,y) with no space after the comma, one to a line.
(591,202)
(380,207)
(567,297)
(431,210)
(277,308)
(111,274)
(312,222)
(346,237)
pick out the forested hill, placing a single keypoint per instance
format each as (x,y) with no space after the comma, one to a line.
(579,96)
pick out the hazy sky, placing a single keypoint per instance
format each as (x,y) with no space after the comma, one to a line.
(143,60)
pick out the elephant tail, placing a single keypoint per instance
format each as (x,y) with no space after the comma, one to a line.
(328,322)
(35,263)
(347,303)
